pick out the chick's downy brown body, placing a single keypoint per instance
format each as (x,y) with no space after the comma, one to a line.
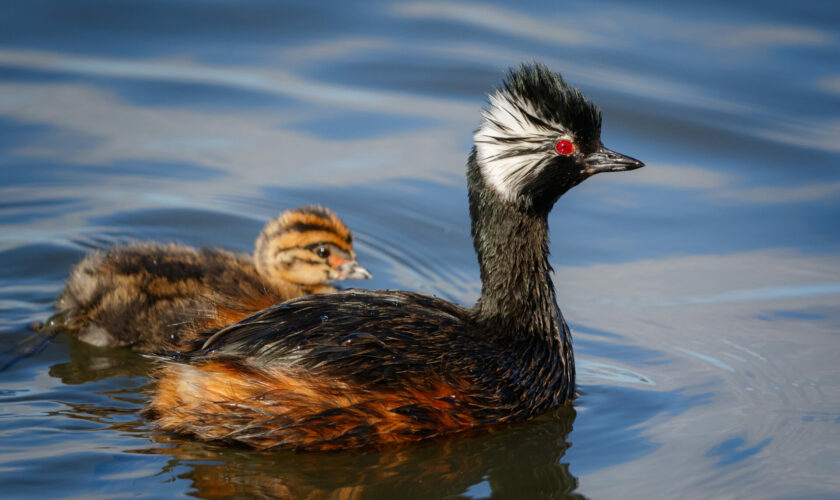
(149,296)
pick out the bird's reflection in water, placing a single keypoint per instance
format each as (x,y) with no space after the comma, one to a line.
(518,461)
(89,363)
(521,461)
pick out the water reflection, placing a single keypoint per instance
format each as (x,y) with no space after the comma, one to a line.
(89,363)
(471,467)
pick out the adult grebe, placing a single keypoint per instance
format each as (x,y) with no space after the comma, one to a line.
(374,368)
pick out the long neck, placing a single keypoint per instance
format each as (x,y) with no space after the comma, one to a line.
(517,300)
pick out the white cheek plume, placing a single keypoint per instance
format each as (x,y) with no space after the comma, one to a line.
(505,129)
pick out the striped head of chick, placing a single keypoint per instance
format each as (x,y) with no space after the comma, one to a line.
(307,246)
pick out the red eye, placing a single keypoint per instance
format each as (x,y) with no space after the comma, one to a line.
(565,148)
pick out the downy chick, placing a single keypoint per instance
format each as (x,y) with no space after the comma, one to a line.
(138,295)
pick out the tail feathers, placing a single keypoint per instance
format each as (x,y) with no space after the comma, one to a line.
(35,343)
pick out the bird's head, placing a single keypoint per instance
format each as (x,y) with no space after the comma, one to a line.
(307,246)
(540,137)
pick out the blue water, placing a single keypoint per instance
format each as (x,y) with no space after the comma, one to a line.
(703,290)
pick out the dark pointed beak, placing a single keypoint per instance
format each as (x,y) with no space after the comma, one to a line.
(605,160)
(352,269)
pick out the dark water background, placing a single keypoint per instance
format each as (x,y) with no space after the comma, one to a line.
(703,290)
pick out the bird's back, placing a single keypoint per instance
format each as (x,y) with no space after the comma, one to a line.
(357,368)
(363,335)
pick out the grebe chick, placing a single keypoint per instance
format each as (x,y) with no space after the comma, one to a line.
(139,294)
(375,368)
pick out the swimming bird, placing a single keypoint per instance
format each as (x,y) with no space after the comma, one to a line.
(377,368)
(139,295)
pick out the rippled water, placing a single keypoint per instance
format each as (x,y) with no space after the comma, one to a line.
(703,290)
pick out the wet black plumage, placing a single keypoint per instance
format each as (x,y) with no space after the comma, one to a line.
(372,368)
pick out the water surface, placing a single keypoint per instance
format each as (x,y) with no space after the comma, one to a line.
(703,290)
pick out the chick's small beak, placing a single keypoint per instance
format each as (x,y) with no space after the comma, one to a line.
(350,269)
(605,160)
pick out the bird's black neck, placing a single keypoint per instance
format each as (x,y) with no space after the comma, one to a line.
(512,246)
(517,300)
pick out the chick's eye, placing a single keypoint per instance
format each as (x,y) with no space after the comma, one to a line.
(565,147)
(323,252)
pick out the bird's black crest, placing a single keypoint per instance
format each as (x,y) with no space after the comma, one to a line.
(554,100)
